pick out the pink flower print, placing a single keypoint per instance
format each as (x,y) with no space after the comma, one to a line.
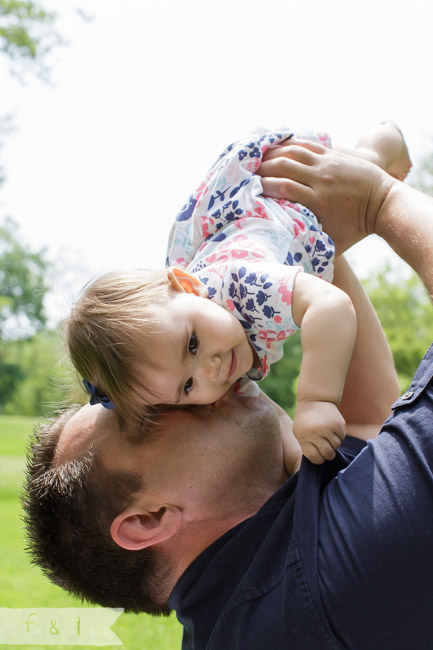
(284,334)
(324,138)
(285,292)
(230,304)
(288,204)
(256,252)
(239,223)
(223,246)
(211,258)
(259,212)
(300,224)
(278,319)
(205,223)
(240,238)
(223,258)
(265,365)
(239,253)
(312,239)
(253,165)
(181,261)
(202,189)
(269,336)
(264,149)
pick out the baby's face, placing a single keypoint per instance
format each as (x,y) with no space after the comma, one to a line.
(200,351)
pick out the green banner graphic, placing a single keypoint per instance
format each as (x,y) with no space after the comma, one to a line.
(59,626)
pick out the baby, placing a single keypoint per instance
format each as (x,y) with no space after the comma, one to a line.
(244,272)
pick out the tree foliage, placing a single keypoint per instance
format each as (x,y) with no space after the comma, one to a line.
(40,376)
(406,315)
(26,34)
(22,291)
(22,285)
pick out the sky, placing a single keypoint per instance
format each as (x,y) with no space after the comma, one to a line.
(144,95)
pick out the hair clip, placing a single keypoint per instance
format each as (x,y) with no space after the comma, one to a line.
(96,397)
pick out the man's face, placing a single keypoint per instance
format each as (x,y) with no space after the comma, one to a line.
(216,462)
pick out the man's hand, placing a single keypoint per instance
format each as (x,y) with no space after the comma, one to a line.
(320,428)
(344,192)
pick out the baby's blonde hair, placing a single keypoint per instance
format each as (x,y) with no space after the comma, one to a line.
(108,330)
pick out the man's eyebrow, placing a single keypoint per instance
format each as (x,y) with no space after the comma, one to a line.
(184,354)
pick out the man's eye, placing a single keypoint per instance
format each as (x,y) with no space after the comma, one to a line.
(188,386)
(193,344)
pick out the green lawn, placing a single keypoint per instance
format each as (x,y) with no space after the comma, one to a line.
(23,585)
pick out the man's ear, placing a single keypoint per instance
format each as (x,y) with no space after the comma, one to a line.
(137,528)
(181,280)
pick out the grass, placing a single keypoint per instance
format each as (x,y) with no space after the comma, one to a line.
(24,585)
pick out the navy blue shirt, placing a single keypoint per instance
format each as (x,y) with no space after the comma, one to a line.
(340,557)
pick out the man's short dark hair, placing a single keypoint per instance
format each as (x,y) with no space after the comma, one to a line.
(68,511)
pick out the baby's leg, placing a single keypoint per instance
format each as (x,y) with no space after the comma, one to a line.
(384,146)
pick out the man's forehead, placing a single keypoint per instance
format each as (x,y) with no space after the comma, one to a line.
(88,426)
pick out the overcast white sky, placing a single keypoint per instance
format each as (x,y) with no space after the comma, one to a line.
(147,94)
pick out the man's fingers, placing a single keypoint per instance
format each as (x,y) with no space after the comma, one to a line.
(300,150)
(284,188)
(287,171)
(284,167)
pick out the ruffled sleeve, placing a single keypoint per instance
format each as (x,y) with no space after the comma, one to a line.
(260,296)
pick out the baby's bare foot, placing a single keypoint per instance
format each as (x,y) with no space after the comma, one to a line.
(388,149)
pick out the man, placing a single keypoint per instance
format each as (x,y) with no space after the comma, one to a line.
(201,517)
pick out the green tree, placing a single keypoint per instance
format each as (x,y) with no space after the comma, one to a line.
(30,376)
(22,291)
(26,35)
(406,315)
(22,285)
(45,374)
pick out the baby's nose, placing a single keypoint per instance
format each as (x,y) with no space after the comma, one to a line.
(211,367)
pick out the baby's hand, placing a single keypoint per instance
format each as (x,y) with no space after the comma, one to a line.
(320,429)
(291,449)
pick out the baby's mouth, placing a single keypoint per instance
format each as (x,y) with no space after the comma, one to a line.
(233,365)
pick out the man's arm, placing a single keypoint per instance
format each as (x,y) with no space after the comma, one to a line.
(375,526)
(348,194)
(353,198)
(371,383)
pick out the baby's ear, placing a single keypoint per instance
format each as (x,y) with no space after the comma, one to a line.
(182,281)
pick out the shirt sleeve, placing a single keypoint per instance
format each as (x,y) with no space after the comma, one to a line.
(375,561)
(260,296)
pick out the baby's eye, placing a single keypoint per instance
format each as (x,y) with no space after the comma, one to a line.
(193,344)
(188,386)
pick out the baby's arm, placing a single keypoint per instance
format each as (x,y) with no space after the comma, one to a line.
(327,320)
(291,447)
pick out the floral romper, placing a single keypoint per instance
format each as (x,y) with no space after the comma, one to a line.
(247,248)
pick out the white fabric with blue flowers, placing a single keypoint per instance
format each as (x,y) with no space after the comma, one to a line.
(247,248)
